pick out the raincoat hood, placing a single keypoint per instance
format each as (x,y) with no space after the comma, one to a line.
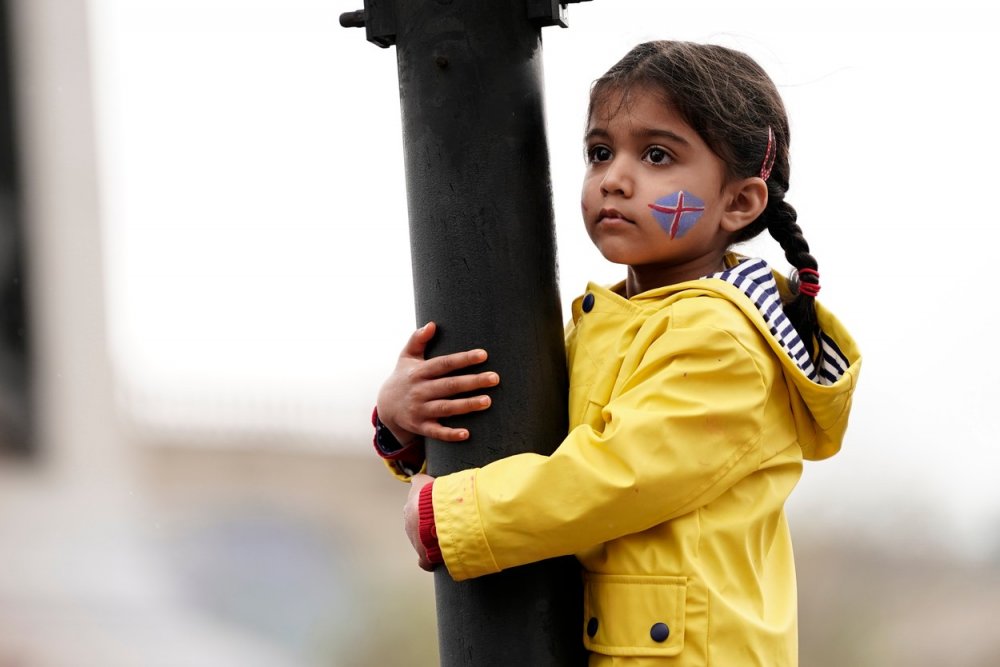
(821,378)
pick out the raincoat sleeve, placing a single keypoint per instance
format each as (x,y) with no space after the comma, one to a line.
(682,425)
(404,470)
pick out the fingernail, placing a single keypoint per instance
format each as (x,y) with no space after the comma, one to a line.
(484,401)
(464,435)
(493,378)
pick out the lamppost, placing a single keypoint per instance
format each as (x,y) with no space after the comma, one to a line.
(483,255)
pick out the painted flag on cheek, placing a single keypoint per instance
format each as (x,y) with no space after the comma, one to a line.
(678,212)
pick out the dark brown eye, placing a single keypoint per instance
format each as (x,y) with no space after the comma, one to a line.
(657,155)
(599,154)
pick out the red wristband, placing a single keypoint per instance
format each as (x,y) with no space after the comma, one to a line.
(428,530)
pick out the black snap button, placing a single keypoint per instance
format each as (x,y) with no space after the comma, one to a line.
(659,632)
(592,627)
(588,303)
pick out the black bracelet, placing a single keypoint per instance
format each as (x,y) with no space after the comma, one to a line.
(385,440)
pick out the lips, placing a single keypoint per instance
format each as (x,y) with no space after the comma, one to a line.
(612,214)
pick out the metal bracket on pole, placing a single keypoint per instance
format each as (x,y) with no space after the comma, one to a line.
(378,18)
(550,12)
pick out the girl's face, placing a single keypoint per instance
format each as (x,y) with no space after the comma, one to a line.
(655,197)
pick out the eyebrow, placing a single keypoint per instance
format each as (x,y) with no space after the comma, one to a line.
(645,133)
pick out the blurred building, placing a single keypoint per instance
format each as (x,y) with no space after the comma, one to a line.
(125,544)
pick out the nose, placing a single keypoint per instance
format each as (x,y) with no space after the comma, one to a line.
(617,179)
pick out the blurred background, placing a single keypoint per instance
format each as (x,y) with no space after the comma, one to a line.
(204,276)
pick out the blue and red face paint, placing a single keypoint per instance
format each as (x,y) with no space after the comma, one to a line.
(678,212)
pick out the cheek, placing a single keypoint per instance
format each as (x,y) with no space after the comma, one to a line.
(587,201)
(678,212)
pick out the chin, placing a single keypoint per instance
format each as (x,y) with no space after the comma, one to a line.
(616,257)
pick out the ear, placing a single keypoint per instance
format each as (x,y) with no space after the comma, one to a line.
(747,200)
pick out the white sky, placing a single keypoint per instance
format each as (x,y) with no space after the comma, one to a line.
(256,230)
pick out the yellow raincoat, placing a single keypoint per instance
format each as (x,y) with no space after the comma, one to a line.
(689,422)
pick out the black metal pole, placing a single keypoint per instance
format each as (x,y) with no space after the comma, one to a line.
(483,252)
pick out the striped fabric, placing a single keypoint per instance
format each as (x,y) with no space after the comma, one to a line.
(753,277)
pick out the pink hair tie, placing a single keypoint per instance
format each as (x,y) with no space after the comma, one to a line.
(809,289)
(770,153)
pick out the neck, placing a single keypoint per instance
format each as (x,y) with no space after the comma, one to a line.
(646,277)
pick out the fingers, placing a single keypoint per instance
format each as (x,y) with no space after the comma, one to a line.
(422,391)
(420,480)
(411,520)
(417,343)
(434,410)
(431,380)
(416,347)
(455,385)
(449,363)
(453,407)
(445,433)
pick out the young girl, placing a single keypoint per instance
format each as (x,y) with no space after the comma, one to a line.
(697,385)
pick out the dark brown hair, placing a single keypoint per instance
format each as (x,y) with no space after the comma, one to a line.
(730,102)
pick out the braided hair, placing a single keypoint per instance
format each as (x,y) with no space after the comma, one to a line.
(728,99)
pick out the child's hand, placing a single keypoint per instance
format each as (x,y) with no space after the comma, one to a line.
(411,519)
(417,393)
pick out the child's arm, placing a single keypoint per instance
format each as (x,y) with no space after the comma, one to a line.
(685,426)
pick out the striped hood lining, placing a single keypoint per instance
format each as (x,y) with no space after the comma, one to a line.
(754,278)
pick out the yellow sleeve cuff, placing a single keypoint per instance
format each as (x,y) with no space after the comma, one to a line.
(459,526)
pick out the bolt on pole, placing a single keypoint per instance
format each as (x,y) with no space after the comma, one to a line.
(484,268)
